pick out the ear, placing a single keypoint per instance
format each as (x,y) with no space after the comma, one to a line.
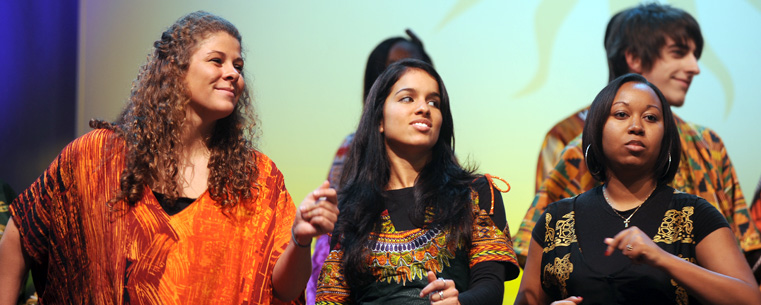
(381,127)
(634,62)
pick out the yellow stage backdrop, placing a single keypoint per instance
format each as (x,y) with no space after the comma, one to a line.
(512,68)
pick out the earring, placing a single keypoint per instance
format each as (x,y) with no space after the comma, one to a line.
(668,166)
(586,153)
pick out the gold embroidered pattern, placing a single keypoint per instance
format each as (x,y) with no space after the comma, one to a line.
(681,294)
(566,235)
(676,227)
(558,273)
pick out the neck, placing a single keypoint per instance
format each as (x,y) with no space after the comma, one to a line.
(628,194)
(405,168)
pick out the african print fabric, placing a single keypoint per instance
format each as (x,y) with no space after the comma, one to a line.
(87,251)
(555,141)
(755,206)
(705,170)
(400,260)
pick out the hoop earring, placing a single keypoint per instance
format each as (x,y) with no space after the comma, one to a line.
(668,166)
(586,153)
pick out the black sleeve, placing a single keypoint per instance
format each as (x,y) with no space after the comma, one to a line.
(487,284)
(539,229)
(706,219)
(484,189)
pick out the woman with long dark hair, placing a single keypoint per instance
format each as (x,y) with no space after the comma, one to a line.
(171,204)
(634,240)
(415,226)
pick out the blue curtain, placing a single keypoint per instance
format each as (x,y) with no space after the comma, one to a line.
(37,85)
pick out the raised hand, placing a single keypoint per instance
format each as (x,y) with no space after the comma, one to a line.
(636,245)
(440,291)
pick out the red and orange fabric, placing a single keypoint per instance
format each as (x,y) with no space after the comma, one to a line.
(85,252)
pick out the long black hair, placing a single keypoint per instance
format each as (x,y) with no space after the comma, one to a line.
(442,185)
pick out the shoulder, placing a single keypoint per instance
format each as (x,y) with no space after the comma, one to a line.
(682,199)
(569,127)
(695,132)
(98,137)
(562,206)
(97,143)
(265,165)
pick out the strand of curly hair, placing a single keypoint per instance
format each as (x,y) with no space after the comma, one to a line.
(152,123)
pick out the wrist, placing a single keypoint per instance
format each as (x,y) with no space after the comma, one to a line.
(298,244)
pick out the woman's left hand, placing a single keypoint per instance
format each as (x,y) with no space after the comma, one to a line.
(317,214)
(440,291)
(636,245)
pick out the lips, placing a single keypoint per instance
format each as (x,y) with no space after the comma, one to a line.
(684,82)
(230,90)
(422,124)
(635,146)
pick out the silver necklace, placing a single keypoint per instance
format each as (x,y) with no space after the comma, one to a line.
(626,219)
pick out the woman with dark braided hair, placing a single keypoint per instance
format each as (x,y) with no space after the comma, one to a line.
(170,204)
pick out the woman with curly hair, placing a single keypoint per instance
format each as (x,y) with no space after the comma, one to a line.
(415,226)
(170,204)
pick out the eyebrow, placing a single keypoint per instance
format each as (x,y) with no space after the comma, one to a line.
(223,54)
(627,104)
(405,89)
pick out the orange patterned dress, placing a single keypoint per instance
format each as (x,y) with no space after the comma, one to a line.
(83,252)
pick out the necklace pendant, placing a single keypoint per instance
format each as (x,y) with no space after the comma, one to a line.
(626,223)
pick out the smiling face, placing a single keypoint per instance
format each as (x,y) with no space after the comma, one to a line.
(634,129)
(673,71)
(214,77)
(411,117)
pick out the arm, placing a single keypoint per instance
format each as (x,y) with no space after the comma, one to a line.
(530,290)
(723,276)
(12,264)
(313,218)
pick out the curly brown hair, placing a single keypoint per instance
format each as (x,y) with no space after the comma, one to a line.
(153,119)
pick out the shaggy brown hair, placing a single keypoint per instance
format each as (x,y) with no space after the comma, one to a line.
(152,122)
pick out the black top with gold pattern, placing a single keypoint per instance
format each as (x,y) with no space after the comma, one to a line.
(571,232)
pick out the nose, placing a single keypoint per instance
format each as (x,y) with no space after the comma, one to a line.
(635,126)
(691,64)
(423,108)
(230,73)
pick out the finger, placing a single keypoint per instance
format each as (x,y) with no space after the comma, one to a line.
(322,225)
(611,246)
(615,242)
(431,287)
(569,300)
(431,276)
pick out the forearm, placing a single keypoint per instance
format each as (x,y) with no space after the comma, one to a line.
(709,286)
(292,270)
(13,268)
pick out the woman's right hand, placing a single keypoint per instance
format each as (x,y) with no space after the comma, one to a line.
(568,301)
(317,214)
